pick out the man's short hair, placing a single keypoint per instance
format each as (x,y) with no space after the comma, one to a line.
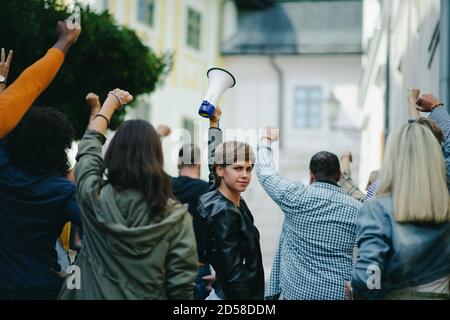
(189,155)
(325,166)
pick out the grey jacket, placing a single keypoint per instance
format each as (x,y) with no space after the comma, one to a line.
(125,254)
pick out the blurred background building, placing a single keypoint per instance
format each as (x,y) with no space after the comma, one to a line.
(405,44)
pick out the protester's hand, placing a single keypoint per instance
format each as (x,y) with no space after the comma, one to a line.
(347,155)
(348,291)
(271,134)
(164,130)
(62,274)
(94,102)
(346,159)
(68,34)
(71,175)
(210,279)
(427,102)
(214,120)
(117,99)
(5,63)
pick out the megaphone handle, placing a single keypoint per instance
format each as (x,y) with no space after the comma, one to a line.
(206,109)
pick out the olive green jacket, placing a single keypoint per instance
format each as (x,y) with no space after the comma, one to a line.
(126,254)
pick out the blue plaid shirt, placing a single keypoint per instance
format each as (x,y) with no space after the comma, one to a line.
(314,255)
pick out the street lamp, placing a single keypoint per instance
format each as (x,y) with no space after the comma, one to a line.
(333,106)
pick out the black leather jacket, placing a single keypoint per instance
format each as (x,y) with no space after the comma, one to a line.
(233,248)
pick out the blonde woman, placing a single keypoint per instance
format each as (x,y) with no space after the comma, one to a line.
(404,233)
(232,240)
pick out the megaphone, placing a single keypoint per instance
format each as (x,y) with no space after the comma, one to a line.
(219,81)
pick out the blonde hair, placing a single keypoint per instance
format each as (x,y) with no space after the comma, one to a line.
(230,152)
(414,174)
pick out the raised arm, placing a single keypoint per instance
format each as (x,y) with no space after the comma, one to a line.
(275,185)
(164,130)
(5,64)
(89,168)
(93,102)
(439,114)
(214,140)
(347,184)
(20,95)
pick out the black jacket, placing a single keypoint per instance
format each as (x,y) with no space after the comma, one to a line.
(34,206)
(188,191)
(233,248)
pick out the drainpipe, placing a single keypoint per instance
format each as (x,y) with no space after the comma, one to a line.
(445,53)
(387,106)
(280,75)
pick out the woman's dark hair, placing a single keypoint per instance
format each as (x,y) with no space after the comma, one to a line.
(40,141)
(135,160)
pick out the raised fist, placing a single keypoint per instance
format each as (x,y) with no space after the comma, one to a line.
(68,34)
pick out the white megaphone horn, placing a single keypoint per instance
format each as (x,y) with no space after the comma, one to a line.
(220,80)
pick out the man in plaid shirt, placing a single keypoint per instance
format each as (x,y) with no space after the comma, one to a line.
(314,255)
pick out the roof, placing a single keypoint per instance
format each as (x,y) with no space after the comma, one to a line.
(306,27)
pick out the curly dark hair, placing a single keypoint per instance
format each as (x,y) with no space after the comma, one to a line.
(40,141)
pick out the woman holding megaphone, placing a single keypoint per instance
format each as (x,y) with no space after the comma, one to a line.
(232,246)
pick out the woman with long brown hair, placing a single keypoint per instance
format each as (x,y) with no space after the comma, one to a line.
(138,241)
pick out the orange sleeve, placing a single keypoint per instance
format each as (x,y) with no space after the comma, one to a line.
(65,236)
(20,95)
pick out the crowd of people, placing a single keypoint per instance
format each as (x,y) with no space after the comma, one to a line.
(146,235)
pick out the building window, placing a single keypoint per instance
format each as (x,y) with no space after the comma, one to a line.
(105,5)
(434,44)
(189,125)
(142,109)
(146,12)
(308,108)
(194,20)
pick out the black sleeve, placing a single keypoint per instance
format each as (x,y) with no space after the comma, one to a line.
(214,139)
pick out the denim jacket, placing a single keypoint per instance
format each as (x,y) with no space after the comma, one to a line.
(400,255)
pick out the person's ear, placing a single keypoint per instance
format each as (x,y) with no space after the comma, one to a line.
(312,177)
(219,171)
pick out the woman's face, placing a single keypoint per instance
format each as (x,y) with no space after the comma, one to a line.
(236,177)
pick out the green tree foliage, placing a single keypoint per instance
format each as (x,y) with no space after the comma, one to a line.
(106,56)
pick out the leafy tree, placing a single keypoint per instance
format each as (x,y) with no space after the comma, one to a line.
(106,56)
